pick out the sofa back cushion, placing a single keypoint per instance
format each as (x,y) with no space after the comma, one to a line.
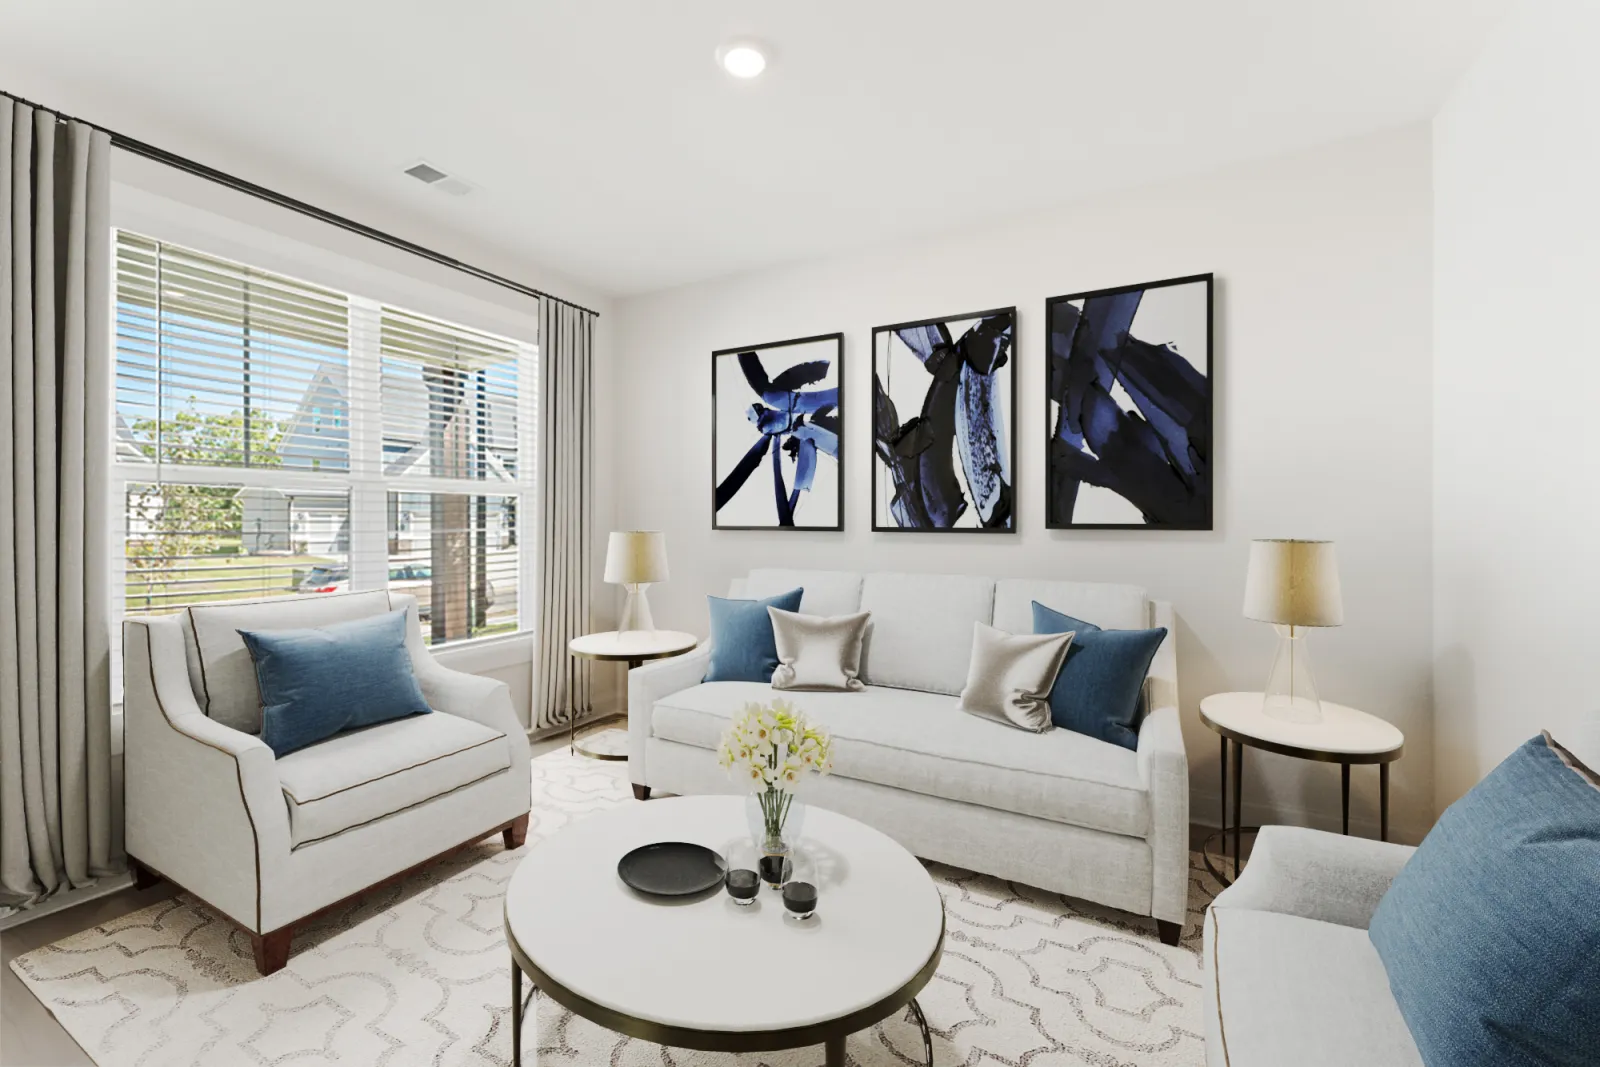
(825,592)
(922,624)
(220,668)
(1108,606)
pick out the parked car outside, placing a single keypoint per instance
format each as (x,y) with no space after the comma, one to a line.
(413,578)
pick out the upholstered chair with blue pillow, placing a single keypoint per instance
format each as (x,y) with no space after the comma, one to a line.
(335,798)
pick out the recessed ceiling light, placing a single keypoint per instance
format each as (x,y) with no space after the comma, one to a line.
(742,59)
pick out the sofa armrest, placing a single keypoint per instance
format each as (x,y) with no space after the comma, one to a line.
(204,806)
(648,684)
(1164,769)
(1316,875)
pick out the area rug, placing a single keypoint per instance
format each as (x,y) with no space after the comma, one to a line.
(417,973)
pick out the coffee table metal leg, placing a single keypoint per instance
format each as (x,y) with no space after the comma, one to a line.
(516,1015)
(927,1038)
(833,1052)
(1383,802)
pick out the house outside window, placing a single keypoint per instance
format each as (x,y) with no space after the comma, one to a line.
(275,437)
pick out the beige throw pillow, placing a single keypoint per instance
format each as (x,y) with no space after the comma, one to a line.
(1010,676)
(818,653)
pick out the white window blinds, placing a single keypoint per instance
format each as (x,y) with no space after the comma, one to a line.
(277,437)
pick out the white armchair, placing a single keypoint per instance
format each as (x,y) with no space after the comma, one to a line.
(270,842)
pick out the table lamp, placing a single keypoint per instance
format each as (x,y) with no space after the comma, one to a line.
(635,559)
(1293,585)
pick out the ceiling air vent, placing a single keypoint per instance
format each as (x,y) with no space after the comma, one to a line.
(432,176)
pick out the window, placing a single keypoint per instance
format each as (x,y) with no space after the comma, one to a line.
(275,437)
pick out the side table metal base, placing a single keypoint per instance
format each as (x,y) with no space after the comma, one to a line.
(1219,863)
(603,739)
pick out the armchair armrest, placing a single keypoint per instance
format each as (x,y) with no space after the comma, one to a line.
(648,684)
(1164,768)
(204,806)
(1316,875)
(472,696)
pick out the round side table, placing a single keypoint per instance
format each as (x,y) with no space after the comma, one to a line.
(603,740)
(1344,736)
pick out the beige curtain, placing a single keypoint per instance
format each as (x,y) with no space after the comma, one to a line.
(566,482)
(55,414)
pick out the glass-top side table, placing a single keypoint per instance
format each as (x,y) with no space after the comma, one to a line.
(1344,736)
(602,738)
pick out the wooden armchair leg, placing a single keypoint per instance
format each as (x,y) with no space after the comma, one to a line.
(640,792)
(517,833)
(272,950)
(143,877)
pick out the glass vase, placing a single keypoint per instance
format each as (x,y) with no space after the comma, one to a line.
(776,817)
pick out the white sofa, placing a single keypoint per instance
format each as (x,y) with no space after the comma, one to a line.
(269,842)
(1290,975)
(1057,810)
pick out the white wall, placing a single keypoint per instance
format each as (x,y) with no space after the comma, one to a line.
(1517,377)
(1322,412)
(179,207)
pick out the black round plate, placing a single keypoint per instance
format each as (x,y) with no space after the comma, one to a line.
(671,869)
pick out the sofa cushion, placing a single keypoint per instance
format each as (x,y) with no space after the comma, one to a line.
(816,653)
(1108,606)
(921,636)
(743,648)
(357,777)
(1490,934)
(822,592)
(323,680)
(1010,676)
(1098,690)
(923,743)
(1297,991)
(220,668)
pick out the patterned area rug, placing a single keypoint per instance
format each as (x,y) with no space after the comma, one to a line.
(417,974)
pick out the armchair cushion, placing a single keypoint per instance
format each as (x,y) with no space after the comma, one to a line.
(318,681)
(363,775)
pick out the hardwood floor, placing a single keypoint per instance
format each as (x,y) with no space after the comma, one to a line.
(29,1034)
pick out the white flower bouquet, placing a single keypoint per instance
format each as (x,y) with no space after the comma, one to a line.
(771,748)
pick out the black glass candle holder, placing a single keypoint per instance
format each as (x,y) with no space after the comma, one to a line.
(800,898)
(743,885)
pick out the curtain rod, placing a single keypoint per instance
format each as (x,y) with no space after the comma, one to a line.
(260,192)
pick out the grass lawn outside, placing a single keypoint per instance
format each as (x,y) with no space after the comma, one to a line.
(208,579)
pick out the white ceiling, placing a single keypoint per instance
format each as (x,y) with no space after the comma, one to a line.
(608,145)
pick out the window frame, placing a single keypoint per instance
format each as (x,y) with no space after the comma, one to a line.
(363,481)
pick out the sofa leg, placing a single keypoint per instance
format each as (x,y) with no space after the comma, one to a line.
(272,950)
(517,833)
(1169,932)
(640,792)
(143,877)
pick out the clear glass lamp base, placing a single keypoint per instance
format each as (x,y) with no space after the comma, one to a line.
(1291,692)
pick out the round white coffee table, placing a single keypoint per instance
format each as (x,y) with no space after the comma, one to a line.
(691,973)
(604,741)
(1344,736)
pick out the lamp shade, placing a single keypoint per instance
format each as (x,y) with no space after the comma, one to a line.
(1293,583)
(636,556)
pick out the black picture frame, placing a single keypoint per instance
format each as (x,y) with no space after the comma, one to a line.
(837,427)
(884,435)
(1188,498)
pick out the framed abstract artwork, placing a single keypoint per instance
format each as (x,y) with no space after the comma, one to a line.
(944,423)
(777,431)
(1128,407)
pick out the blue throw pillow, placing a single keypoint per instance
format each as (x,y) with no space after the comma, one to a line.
(1491,932)
(1097,692)
(743,648)
(317,682)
